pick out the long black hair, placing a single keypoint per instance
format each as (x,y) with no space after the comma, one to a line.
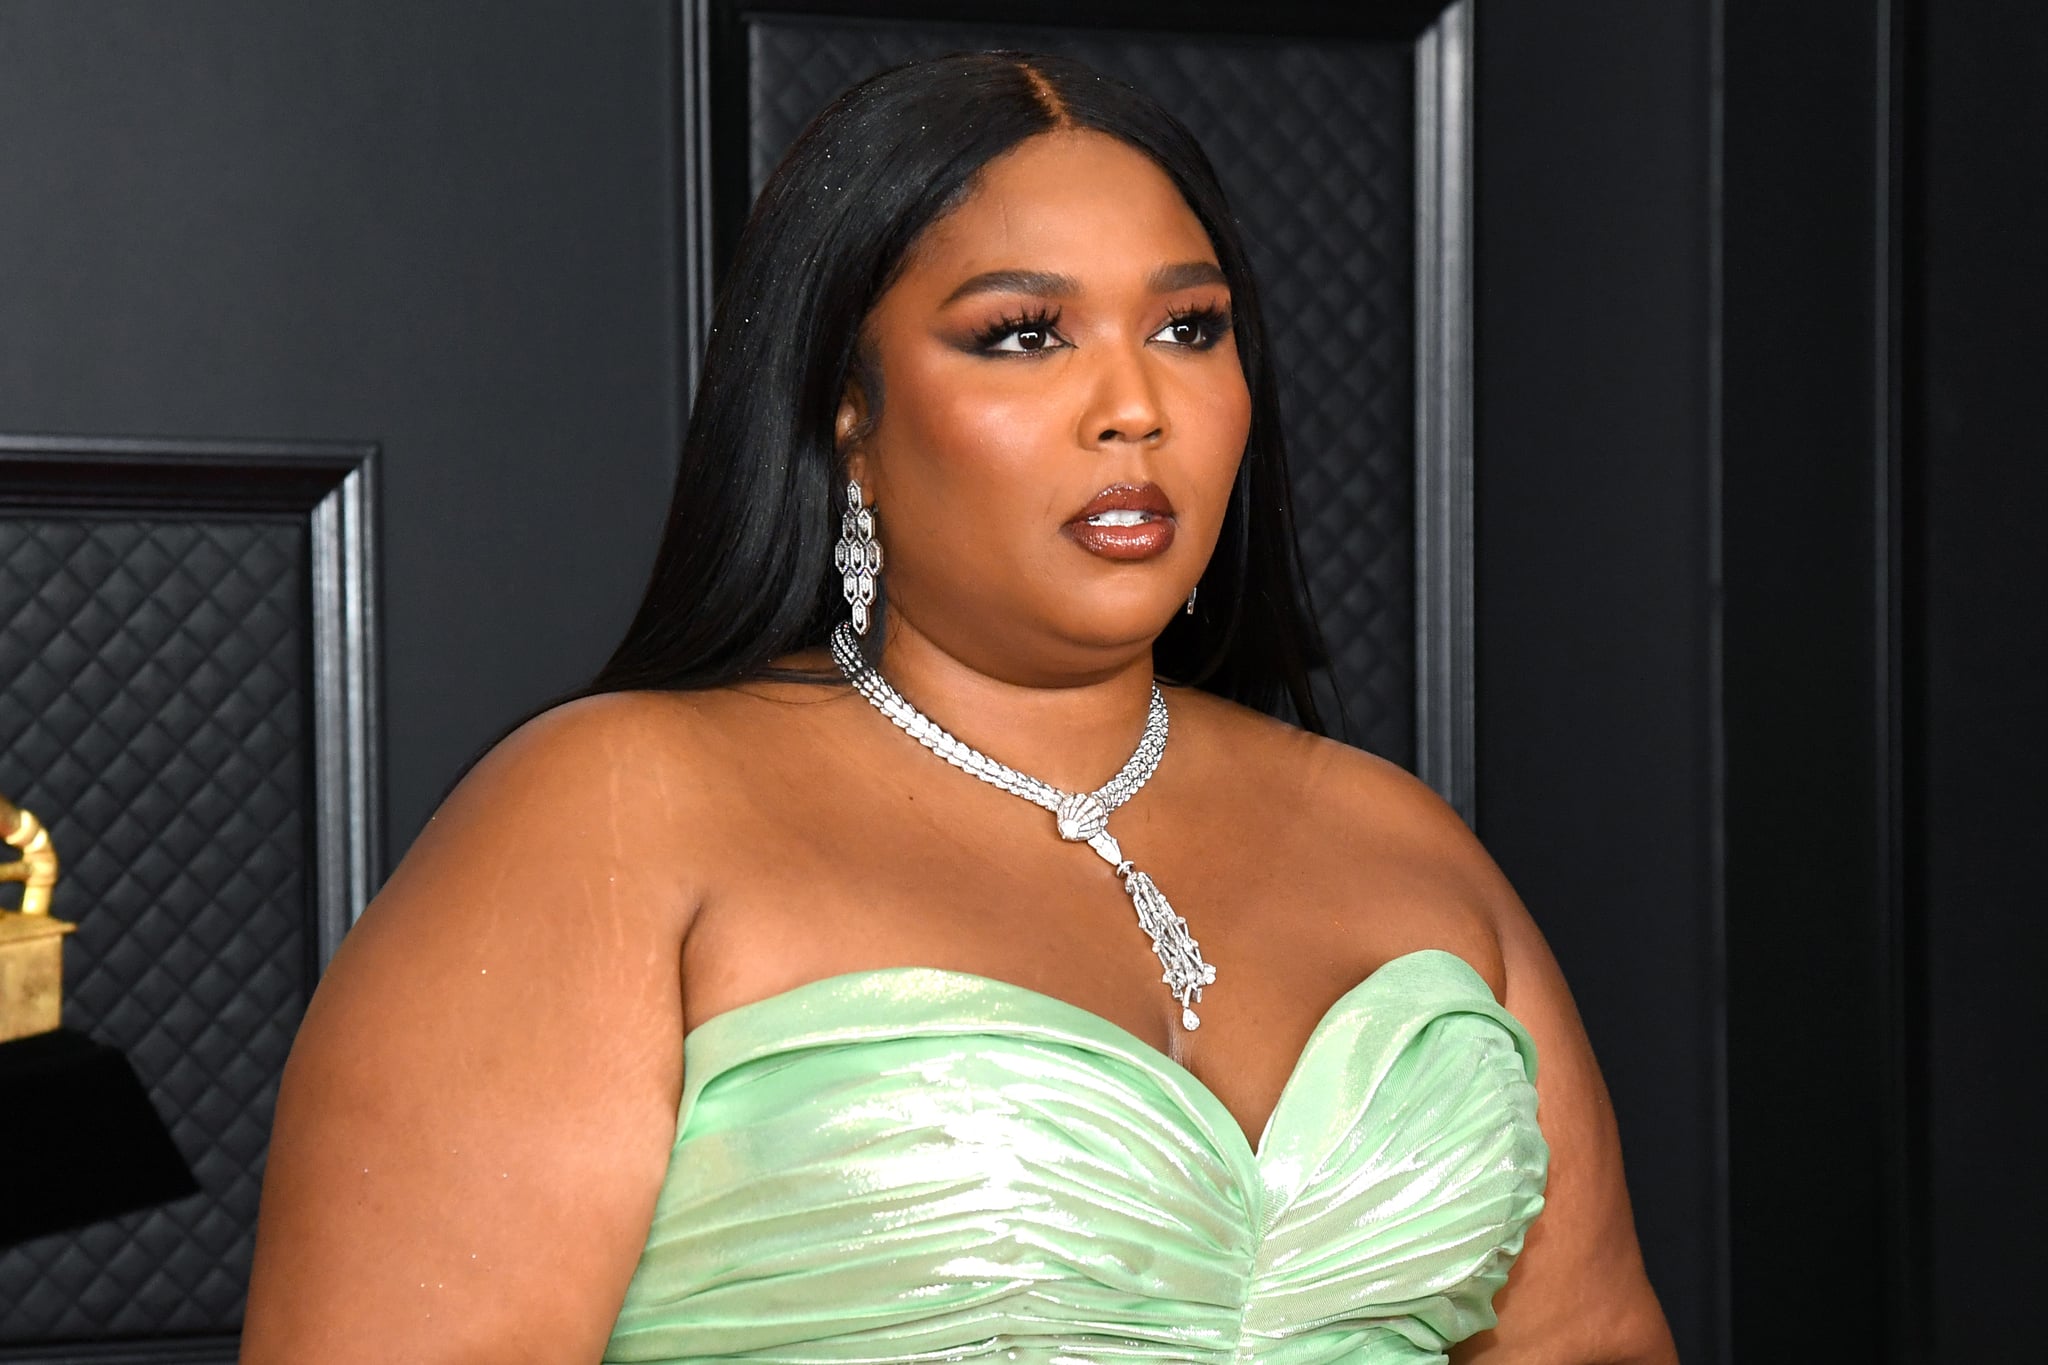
(744,574)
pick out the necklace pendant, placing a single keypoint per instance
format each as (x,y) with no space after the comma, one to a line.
(1081,816)
(1107,849)
(1178,953)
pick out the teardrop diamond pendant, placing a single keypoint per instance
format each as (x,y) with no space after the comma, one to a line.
(1082,818)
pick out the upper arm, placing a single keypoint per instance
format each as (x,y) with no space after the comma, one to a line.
(1578,1294)
(477,1113)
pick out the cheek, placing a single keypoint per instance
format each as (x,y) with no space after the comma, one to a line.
(1226,411)
(970,449)
(965,438)
(1214,415)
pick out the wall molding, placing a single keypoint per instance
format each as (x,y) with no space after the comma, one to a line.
(332,485)
(1445,669)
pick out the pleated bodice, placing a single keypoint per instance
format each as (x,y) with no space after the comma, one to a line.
(919,1164)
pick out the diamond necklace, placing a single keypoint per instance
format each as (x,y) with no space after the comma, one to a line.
(1082,817)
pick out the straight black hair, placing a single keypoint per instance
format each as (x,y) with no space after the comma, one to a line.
(744,572)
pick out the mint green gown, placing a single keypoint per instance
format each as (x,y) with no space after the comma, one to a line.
(912,1164)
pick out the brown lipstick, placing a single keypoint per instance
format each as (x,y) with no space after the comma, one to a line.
(1124,521)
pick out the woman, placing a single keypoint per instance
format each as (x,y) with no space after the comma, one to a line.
(713,1017)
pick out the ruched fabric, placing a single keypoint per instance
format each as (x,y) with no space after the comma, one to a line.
(917,1164)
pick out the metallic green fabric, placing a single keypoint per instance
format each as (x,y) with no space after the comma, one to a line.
(915,1164)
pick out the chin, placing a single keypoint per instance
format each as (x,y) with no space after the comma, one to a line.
(1110,624)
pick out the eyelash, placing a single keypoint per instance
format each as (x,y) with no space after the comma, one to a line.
(1214,324)
(1037,320)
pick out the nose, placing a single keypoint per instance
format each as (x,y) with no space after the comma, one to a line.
(1123,402)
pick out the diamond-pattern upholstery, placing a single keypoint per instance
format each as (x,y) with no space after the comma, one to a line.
(1314,142)
(153,674)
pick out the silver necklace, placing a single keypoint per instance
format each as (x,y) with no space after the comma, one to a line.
(1081,817)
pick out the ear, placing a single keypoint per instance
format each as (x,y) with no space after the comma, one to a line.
(849,426)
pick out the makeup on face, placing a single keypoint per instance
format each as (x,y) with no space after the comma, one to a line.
(1066,408)
(1035,327)
(1124,521)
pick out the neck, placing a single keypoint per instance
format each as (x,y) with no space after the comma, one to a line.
(1073,731)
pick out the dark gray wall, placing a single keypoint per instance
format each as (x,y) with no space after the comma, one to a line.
(1815,1139)
(444,228)
(1982,670)
(1760,627)
(1596,706)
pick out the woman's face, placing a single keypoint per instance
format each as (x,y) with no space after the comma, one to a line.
(1061,335)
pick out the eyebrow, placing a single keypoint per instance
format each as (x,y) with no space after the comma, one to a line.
(1165,280)
(1016,282)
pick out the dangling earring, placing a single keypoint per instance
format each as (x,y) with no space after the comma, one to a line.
(1190,607)
(857,556)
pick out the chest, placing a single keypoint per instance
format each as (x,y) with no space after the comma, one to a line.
(822,869)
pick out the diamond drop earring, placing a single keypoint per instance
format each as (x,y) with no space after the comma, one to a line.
(1190,607)
(858,557)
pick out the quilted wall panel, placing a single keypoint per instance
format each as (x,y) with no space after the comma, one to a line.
(154,682)
(1314,142)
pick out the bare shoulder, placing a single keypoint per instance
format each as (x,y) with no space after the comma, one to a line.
(1387,844)
(600,787)
(1319,770)
(638,737)
(475,1119)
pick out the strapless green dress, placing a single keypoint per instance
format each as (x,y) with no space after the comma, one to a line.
(912,1164)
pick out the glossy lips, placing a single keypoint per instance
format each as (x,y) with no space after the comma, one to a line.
(1124,521)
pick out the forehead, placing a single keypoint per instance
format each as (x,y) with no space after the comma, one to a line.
(1074,201)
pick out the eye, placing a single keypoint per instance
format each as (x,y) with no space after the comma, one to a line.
(1024,335)
(1195,328)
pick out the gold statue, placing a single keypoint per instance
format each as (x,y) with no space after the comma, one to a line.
(31,939)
